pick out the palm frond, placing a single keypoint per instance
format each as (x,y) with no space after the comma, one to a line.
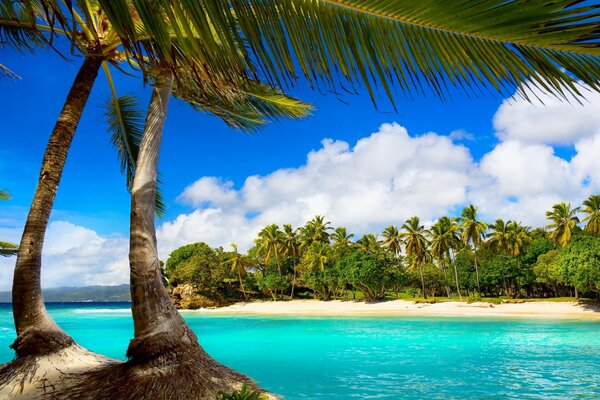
(4,195)
(7,73)
(18,27)
(126,124)
(246,104)
(8,249)
(428,45)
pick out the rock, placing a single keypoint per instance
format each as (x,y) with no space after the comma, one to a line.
(185,297)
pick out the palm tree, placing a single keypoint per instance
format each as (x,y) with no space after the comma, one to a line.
(591,207)
(564,221)
(270,241)
(473,231)
(392,239)
(342,240)
(442,239)
(238,266)
(415,242)
(7,249)
(368,243)
(291,249)
(499,238)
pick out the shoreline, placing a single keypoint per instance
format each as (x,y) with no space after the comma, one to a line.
(335,308)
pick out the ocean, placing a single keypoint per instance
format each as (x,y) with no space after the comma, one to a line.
(371,357)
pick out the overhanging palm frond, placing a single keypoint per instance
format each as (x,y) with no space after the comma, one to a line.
(8,249)
(18,27)
(126,125)
(4,195)
(7,73)
(246,105)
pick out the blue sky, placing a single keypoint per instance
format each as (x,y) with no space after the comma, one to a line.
(362,168)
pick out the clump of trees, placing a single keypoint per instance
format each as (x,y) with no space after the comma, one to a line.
(452,258)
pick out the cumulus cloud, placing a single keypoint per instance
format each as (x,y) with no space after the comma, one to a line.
(549,120)
(76,256)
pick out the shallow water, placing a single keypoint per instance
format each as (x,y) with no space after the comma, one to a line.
(372,358)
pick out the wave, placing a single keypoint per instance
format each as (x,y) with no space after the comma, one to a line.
(102,311)
(2,329)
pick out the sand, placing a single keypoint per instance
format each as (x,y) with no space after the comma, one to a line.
(533,309)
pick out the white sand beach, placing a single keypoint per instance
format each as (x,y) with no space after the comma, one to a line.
(532,309)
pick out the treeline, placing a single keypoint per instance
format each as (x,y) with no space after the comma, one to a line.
(456,257)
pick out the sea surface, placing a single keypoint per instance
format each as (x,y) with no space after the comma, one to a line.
(371,357)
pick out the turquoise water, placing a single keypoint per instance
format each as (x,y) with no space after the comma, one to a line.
(372,358)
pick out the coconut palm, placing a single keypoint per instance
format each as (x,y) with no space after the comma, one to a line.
(499,239)
(291,249)
(270,241)
(415,243)
(238,266)
(342,240)
(473,232)
(368,243)
(564,221)
(591,207)
(442,239)
(392,240)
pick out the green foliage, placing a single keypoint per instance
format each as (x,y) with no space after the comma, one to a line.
(198,264)
(579,263)
(244,394)
(367,272)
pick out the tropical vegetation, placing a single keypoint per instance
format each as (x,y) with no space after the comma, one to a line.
(509,260)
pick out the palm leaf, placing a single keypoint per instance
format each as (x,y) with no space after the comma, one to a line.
(18,28)
(4,195)
(8,249)
(126,124)
(7,73)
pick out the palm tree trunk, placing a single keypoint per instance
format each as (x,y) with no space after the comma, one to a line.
(453,261)
(293,283)
(447,285)
(242,285)
(165,357)
(476,268)
(37,333)
(422,280)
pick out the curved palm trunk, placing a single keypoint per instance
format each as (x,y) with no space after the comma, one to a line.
(453,261)
(422,280)
(166,361)
(447,285)
(242,285)
(476,268)
(37,333)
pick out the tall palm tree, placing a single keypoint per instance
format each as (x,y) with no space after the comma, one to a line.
(291,249)
(416,243)
(238,266)
(473,232)
(392,239)
(270,241)
(442,239)
(591,207)
(499,238)
(368,243)
(342,240)
(564,221)
(7,249)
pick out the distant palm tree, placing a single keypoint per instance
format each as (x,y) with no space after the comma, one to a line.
(315,231)
(592,209)
(342,240)
(270,242)
(442,239)
(291,249)
(238,266)
(499,239)
(392,239)
(564,221)
(473,232)
(368,243)
(415,242)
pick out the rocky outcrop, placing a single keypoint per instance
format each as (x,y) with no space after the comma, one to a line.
(185,297)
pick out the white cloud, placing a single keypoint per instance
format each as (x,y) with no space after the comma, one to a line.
(548,119)
(76,256)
